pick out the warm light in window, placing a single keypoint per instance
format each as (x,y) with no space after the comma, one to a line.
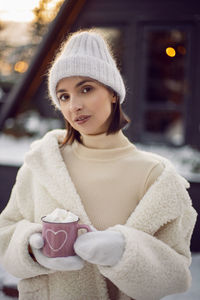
(21,66)
(170,52)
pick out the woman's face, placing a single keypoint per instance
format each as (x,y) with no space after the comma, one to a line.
(85,103)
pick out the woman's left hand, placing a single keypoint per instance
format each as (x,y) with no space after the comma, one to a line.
(100,247)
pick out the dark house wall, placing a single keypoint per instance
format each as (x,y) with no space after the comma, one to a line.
(7,180)
(135,19)
(194,192)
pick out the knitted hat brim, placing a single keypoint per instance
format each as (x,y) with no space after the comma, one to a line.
(86,66)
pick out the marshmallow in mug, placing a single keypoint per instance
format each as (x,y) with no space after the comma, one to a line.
(61,216)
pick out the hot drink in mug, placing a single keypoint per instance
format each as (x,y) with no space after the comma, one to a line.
(60,231)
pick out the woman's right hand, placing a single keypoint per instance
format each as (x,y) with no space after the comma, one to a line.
(70,263)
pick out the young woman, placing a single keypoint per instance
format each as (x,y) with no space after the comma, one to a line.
(135,201)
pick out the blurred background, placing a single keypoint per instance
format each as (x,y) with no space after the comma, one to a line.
(157,47)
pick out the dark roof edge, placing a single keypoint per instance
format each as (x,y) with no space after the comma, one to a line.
(19,90)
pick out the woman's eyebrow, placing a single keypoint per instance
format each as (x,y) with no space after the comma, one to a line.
(61,91)
(77,85)
(83,81)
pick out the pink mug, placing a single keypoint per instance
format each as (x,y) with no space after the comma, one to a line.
(59,238)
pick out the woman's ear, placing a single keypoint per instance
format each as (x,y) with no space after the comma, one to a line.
(114,98)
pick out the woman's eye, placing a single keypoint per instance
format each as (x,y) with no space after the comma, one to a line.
(63,97)
(86,89)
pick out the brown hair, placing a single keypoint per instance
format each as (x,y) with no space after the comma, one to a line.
(119,120)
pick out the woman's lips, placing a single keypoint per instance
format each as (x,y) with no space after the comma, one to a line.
(82,119)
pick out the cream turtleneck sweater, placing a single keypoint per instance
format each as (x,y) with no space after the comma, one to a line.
(111,176)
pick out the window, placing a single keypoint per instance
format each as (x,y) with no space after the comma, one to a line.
(166,83)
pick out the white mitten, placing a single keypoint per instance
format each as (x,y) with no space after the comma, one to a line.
(100,247)
(70,263)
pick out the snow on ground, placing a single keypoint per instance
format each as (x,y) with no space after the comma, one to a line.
(6,279)
(12,150)
(185,159)
(4,297)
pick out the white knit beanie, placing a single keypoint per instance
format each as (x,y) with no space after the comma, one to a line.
(86,54)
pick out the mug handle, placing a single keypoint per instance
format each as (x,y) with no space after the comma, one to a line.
(84,226)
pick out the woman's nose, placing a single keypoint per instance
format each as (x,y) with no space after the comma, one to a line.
(75,104)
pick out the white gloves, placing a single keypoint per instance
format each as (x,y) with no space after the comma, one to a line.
(70,263)
(100,247)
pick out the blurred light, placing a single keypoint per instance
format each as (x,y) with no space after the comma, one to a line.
(21,66)
(177,35)
(181,50)
(23,12)
(5,68)
(16,15)
(170,51)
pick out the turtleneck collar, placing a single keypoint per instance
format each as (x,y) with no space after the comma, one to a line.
(103,146)
(104,141)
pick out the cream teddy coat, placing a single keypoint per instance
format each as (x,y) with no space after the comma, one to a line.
(156,259)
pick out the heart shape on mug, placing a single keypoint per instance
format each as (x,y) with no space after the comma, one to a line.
(59,239)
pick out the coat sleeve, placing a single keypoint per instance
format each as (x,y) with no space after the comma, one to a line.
(16,226)
(155,265)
